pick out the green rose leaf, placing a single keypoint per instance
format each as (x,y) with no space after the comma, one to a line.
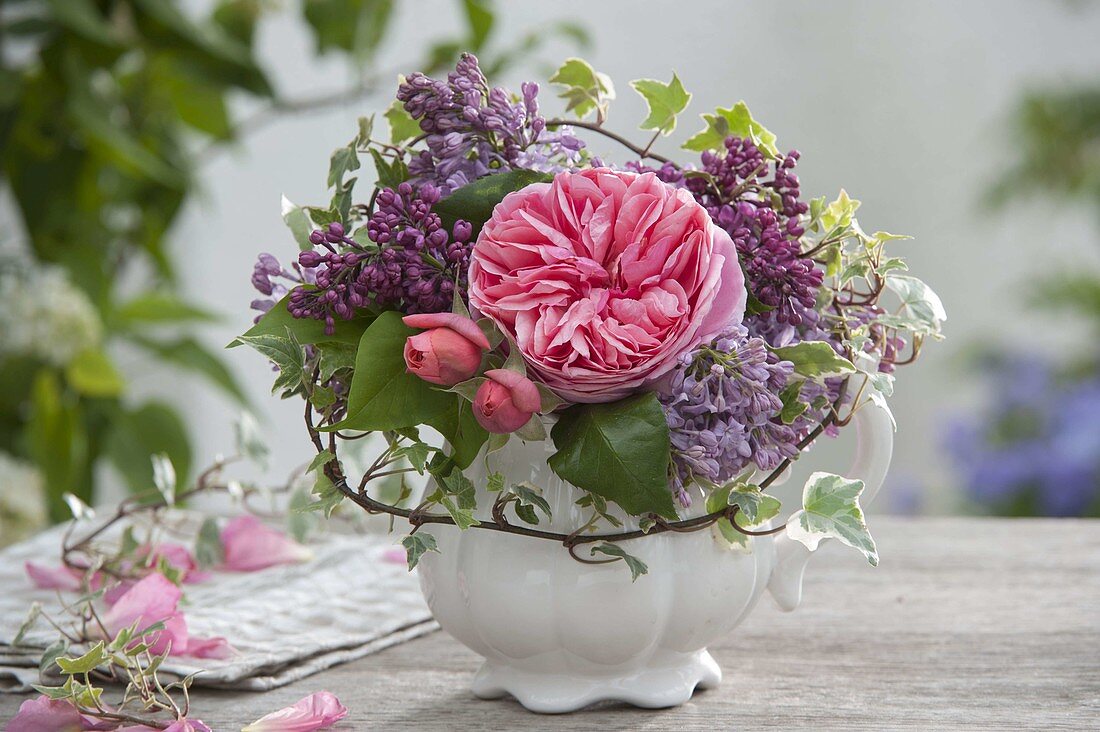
(617,450)
(637,566)
(475,202)
(278,320)
(585,89)
(815,359)
(737,121)
(416,545)
(383,395)
(665,102)
(830,508)
(461,430)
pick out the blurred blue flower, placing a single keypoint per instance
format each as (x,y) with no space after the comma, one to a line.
(1036,450)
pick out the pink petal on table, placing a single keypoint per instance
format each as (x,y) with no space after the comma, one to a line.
(395,555)
(117,590)
(181,725)
(43,714)
(59,577)
(250,545)
(216,647)
(316,711)
(152,599)
(178,557)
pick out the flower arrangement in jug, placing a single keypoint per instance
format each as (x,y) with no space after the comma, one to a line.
(680,331)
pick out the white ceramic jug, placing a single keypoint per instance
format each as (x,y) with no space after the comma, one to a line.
(559,635)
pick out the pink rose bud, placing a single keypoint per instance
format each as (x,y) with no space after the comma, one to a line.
(506,401)
(448,351)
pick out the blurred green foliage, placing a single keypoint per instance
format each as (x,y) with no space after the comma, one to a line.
(104,107)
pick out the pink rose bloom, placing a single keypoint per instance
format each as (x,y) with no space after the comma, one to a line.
(604,278)
(318,710)
(506,401)
(250,545)
(448,352)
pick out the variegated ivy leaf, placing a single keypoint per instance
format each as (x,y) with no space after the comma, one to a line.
(815,360)
(830,509)
(921,303)
(729,537)
(209,551)
(529,498)
(320,460)
(838,214)
(736,121)
(637,566)
(585,89)
(286,353)
(366,129)
(164,478)
(753,505)
(78,508)
(665,102)
(494,482)
(297,220)
(416,545)
(250,443)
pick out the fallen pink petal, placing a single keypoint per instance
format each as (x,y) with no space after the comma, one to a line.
(43,714)
(178,557)
(57,578)
(316,711)
(250,545)
(155,599)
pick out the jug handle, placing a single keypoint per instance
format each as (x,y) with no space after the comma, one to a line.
(874,447)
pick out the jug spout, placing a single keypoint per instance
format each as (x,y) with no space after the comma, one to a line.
(874,447)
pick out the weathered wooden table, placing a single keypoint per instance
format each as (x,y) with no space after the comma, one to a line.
(983,624)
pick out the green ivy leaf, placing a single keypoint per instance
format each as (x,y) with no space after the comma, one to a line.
(327,494)
(344,160)
(402,125)
(830,508)
(391,173)
(383,395)
(530,496)
(95,656)
(815,359)
(585,89)
(737,121)
(637,566)
(921,304)
(618,450)
(665,102)
(416,545)
(320,460)
(793,407)
(475,202)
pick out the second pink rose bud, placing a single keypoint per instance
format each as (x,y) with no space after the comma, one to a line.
(506,401)
(448,351)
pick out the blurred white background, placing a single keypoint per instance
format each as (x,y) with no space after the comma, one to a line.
(903,104)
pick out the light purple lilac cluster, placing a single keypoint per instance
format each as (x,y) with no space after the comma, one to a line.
(413,263)
(722,408)
(473,129)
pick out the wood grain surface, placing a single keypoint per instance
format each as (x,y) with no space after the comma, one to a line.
(967,623)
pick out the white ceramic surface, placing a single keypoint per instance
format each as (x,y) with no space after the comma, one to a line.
(559,635)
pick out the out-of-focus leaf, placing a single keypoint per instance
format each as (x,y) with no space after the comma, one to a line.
(138,434)
(355,26)
(92,373)
(189,354)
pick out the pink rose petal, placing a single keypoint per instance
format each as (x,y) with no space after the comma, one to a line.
(250,545)
(53,578)
(395,555)
(43,714)
(316,711)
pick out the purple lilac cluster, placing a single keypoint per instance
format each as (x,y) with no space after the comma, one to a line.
(473,129)
(414,266)
(1036,450)
(764,218)
(722,409)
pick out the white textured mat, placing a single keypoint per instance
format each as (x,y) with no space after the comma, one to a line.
(285,622)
